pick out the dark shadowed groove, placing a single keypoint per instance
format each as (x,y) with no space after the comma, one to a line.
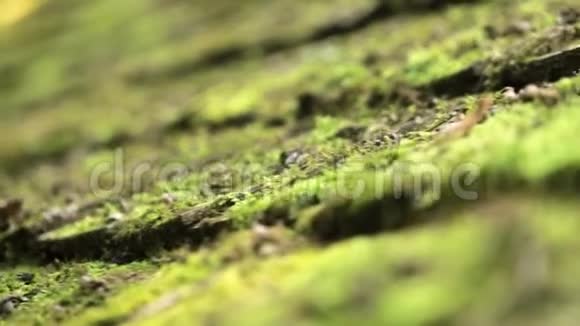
(105,244)
(335,222)
(122,242)
(470,80)
(548,68)
(474,79)
(109,244)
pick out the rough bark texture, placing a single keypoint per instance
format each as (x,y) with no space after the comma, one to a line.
(265,162)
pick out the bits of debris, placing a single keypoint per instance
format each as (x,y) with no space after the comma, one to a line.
(269,241)
(463,127)
(569,16)
(293,157)
(57,216)
(529,93)
(260,230)
(9,210)
(377,138)
(261,241)
(26,278)
(90,284)
(546,94)
(9,304)
(168,198)
(115,218)
(510,94)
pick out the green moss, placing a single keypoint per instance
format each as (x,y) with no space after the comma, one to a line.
(58,291)
(387,279)
(323,141)
(444,59)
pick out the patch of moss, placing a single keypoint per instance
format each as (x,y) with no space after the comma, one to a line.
(389,278)
(288,151)
(52,293)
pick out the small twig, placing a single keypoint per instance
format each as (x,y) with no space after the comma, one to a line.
(463,127)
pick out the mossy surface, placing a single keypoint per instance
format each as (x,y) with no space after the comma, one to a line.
(290,162)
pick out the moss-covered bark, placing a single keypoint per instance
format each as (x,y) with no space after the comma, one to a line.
(290,162)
